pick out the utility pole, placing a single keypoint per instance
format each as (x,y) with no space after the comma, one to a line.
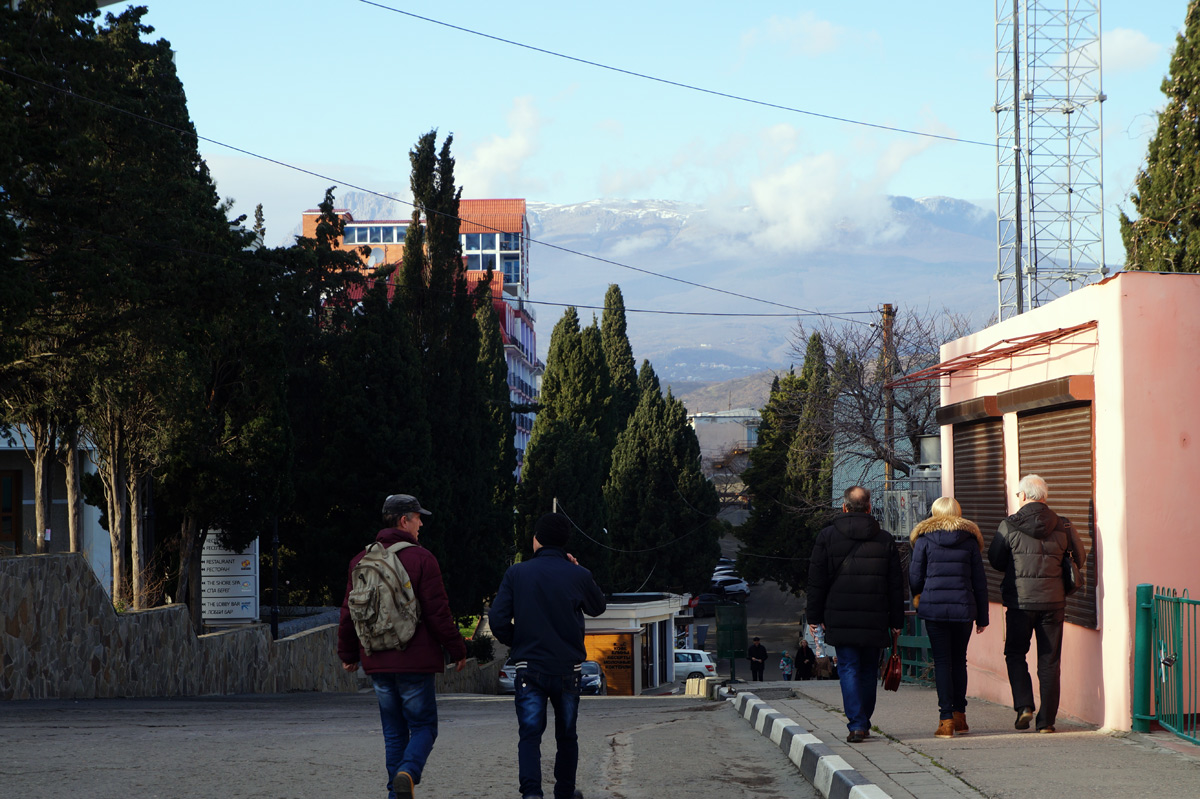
(888,312)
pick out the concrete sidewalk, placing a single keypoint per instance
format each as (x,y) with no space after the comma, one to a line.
(903,760)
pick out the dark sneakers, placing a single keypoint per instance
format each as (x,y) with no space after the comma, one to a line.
(1046,729)
(856,736)
(1024,716)
(402,785)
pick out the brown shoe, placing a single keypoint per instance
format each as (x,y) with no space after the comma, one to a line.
(960,723)
(945,729)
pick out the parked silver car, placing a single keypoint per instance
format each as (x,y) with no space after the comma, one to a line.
(508,674)
(693,663)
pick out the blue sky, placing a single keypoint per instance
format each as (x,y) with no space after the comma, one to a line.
(344,88)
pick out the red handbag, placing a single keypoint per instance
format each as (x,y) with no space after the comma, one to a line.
(890,672)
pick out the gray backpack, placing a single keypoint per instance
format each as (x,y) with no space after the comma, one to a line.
(382,604)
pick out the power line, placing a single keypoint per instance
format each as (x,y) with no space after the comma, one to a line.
(679,84)
(302,170)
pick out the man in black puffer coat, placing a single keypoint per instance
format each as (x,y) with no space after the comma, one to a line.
(855,591)
(1029,548)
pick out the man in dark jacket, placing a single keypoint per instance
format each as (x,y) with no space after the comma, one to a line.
(1029,549)
(856,592)
(757,653)
(404,678)
(538,612)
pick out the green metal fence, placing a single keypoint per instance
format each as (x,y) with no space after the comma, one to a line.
(916,658)
(1168,626)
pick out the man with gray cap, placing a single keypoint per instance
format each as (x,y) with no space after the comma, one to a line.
(404,678)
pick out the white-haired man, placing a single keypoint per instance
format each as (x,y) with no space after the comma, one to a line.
(1029,548)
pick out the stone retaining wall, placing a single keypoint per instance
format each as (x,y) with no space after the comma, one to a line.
(61,639)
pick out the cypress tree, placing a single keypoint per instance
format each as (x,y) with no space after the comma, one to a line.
(458,484)
(566,459)
(1166,235)
(618,355)
(790,476)
(662,510)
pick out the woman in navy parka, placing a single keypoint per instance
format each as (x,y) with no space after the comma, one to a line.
(947,572)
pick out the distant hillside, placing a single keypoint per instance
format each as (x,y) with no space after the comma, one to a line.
(742,392)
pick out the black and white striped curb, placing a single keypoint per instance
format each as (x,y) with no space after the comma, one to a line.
(829,773)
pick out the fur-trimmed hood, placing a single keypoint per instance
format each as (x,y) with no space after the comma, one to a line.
(949,523)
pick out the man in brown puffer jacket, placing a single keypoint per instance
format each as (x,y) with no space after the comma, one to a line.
(1029,549)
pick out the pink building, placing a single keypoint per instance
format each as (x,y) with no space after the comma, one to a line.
(1099,393)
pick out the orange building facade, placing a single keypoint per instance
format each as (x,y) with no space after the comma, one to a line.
(494,235)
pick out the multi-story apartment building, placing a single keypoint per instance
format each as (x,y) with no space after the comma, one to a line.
(495,235)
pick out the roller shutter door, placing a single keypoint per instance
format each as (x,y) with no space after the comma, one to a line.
(1057,444)
(979,482)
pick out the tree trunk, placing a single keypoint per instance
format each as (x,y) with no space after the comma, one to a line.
(112,472)
(191,544)
(73,462)
(44,444)
(137,545)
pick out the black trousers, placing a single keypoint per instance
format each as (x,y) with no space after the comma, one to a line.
(1047,627)
(756,670)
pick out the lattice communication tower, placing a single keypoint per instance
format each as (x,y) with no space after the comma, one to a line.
(1050,199)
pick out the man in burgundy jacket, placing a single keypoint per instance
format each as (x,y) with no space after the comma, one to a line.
(404,678)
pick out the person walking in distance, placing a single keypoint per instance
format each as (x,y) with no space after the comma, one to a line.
(538,613)
(856,593)
(805,659)
(947,572)
(758,659)
(404,677)
(1029,549)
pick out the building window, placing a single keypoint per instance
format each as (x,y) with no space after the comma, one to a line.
(512,269)
(473,263)
(489,261)
(471,242)
(510,242)
(487,241)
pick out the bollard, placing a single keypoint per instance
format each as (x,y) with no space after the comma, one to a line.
(1143,631)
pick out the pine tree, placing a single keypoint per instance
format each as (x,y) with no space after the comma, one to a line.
(1166,235)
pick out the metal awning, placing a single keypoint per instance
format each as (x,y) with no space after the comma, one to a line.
(1004,348)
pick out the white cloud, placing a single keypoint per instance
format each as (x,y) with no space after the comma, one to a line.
(492,167)
(822,199)
(1127,50)
(804,35)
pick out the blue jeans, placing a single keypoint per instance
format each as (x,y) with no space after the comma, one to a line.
(948,640)
(533,689)
(858,672)
(408,710)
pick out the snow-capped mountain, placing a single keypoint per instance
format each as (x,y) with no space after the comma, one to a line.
(718,293)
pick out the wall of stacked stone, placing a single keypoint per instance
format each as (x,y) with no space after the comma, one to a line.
(61,639)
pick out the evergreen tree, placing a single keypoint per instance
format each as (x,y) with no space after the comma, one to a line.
(662,510)
(566,460)
(356,405)
(618,355)
(790,477)
(1166,235)
(459,484)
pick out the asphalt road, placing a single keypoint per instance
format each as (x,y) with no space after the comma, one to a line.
(305,746)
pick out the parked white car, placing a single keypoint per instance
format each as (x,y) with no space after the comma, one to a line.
(731,587)
(693,663)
